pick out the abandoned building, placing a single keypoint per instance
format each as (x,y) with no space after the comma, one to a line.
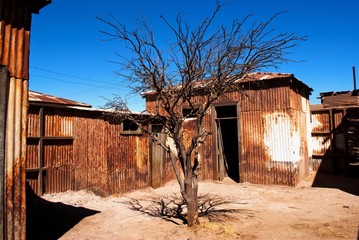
(72,146)
(335,133)
(263,134)
(258,135)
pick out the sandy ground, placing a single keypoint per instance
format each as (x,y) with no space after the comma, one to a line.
(236,211)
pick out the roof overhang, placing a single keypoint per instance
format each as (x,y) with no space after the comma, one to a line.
(36,5)
(251,77)
(45,99)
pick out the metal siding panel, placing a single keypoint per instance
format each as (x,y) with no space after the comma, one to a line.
(329,140)
(206,152)
(14,53)
(320,122)
(252,148)
(321,145)
(80,152)
(33,122)
(257,166)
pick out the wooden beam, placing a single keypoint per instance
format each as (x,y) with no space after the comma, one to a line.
(4,86)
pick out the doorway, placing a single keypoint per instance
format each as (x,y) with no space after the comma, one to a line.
(227,144)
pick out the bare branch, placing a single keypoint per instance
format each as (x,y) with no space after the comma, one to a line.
(197,62)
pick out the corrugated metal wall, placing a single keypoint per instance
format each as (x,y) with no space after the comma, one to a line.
(15,21)
(328,141)
(352,130)
(334,134)
(274,125)
(81,150)
(274,132)
(50,165)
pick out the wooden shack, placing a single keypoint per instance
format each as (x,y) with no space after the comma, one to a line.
(335,133)
(72,146)
(259,134)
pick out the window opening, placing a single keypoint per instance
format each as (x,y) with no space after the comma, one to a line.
(130,127)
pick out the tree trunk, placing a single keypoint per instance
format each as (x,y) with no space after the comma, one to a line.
(192,202)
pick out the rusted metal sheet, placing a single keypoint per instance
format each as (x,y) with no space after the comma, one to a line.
(353,136)
(91,153)
(272,148)
(127,160)
(320,122)
(321,140)
(58,124)
(15,159)
(274,129)
(49,142)
(274,134)
(15,34)
(33,122)
(4,82)
(329,139)
(337,99)
(82,150)
(157,157)
(15,21)
(205,152)
(45,99)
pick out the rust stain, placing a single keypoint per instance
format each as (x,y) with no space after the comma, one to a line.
(41,98)
(282,142)
(84,151)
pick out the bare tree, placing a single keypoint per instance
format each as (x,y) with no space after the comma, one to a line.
(198,60)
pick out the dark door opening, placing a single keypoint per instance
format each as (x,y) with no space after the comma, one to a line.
(227,142)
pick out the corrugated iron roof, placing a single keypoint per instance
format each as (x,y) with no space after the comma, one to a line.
(42,98)
(256,76)
(342,98)
(261,76)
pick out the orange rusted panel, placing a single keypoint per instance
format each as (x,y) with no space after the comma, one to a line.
(274,129)
(41,98)
(82,150)
(321,122)
(15,24)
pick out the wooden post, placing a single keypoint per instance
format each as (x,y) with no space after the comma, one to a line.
(4,85)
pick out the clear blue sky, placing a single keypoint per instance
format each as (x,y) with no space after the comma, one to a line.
(69,60)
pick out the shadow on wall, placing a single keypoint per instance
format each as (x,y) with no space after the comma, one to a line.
(338,167)
(48,220)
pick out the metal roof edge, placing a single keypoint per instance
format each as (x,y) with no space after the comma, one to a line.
(42,98)
(257,76)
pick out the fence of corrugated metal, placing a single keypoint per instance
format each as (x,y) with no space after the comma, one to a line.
(70,149)
(334,138)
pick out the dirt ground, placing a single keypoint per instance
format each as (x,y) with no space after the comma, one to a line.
(236,211)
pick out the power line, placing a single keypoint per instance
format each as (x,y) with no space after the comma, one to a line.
(71,76)
(72,82)
(132,100)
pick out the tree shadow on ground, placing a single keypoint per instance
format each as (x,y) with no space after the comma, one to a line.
(172,208)
(48,220)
